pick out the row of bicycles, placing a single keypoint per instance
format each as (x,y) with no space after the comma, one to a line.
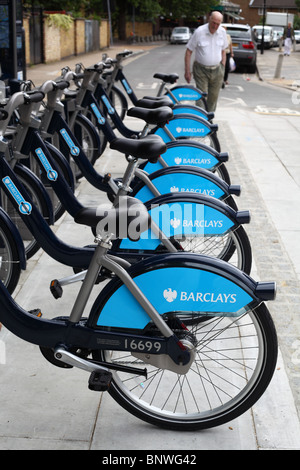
(179,333)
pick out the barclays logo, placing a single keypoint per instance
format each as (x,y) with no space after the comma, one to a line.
(170,295)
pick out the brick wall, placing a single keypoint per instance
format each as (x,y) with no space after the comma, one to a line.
(59,44)
(140,29)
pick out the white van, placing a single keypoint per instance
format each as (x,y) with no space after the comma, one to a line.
(180,35)
(268,35)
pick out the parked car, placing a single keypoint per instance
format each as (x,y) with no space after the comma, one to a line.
(297,35)
(277,34)
(243,44)
(268,35)
(180,35)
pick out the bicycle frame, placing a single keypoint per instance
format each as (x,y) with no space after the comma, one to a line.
(177,94)
(240,291)
(196,180)
(181,125)
(197,154)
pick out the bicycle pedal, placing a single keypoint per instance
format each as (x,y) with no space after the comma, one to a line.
(36,312)
(56,289)
(100,381)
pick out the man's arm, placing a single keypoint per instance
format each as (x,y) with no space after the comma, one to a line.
(187,65)
(223,57)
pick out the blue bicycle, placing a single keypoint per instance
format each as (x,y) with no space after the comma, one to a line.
(181,341)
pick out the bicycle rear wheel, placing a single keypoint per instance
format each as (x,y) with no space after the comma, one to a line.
(234,363)
(233,247)
(10,269)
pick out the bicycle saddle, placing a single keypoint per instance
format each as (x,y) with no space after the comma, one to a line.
(155,102)
(159,116)
(167,78)
(128,219)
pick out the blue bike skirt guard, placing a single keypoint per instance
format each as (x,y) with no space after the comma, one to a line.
(181,219)
(181,182)
(185,93)
(183,128)
(185,155)
(186,110)
(175,289)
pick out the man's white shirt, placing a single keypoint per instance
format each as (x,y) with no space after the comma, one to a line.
(208,47)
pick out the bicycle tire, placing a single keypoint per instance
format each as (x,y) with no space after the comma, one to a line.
(27,178)
(88,138)
(224,381)
(233,246)
(10,268)
(223,173)
(119,102)
(211,140)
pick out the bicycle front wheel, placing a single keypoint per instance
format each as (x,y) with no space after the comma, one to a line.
(234,363)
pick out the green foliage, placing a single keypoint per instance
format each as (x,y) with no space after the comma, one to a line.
(60,21)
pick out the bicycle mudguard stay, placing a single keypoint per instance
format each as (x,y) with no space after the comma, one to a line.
(185,283)
(16,235)
(185,215)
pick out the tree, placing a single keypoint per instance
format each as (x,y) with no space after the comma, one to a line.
(122,10)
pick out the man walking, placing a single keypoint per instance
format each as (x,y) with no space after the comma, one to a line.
(209,42)
(288,37)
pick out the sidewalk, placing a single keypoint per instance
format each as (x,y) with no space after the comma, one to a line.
(43,407)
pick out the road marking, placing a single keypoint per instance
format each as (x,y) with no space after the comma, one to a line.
(145,86)
(233,101)
(262,109)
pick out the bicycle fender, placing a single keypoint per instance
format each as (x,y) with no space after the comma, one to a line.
(185,93)
(185,125)
(182,283)
(190,109)
(189,152)
(183,214)
(16,236)
(183,179)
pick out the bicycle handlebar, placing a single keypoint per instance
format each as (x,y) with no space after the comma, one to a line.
(33,96)
(124,53)
(62,84)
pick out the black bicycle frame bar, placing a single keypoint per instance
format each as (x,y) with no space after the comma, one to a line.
(70,145)
(54,247)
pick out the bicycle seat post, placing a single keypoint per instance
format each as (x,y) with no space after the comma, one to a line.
(103,244)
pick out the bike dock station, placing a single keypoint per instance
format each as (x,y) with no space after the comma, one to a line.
(55,418)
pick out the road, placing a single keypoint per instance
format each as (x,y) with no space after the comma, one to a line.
(244,89)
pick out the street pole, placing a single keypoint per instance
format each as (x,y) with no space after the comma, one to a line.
(263,30)
(109,22)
